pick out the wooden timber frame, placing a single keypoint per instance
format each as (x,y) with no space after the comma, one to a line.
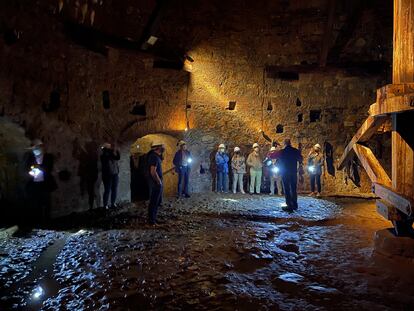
(395,104)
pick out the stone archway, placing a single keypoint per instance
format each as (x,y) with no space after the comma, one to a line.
(13,144)
(139,189)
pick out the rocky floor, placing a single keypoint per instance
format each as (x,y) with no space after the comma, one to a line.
(215,252)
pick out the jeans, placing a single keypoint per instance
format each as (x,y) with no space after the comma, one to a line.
(289,187)
(110,186)
(222,181)
(255,180)
(238,179)
(155,201)
(315,178)
(183,177)
(278,180)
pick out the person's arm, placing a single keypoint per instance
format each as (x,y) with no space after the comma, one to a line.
(176,160)
(116,155)
(249,160)
(218,159)
(154,175)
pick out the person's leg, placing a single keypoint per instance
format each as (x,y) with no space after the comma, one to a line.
(186,180)
(241,183)
(153,204)
(312,182)
(225,182)
(219,181)
(235,180)
(294,193)
(272,184)
(279,185)
(114,189)
(252,179)
(107,189)
(318,183)
(258,181)
(180,181)
(286,187)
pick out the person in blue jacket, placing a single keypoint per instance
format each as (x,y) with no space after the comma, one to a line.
(222,163)
(182,163)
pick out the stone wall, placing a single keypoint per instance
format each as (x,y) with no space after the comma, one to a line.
(230,56)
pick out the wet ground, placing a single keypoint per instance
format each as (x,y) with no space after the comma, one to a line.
(215,252)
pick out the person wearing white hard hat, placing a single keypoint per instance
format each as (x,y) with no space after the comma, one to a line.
(238,166)
(41,183)
(315,164)
(155,182)
(182,163)
(254,161)
(222,163)
(271,162)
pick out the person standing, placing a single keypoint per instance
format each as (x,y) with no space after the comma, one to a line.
(39,165)
(222,163)
(238,165)
(182,163)
(254,161)
(315,163)
(275,176)
(289,159)
(110,173)
(155,183)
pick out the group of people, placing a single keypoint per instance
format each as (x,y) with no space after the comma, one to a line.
(282,163)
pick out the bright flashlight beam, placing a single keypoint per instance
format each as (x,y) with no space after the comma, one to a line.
(34,171)
(38,292)
(312,169)
(189,160)
(275,169)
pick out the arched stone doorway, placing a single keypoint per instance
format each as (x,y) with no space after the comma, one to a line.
(13,147)
(139,188)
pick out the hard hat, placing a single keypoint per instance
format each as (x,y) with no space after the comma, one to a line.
(222,146)
(317,146)
(35,143)
(156,144)
(181,142)
(255,145)
(106,145)
(273,148)
(236,149)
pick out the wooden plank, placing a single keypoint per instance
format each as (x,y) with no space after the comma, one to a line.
(401,202)
(403,47)
(403,154)
(388,211)
(369,162)
(364,133)
(391,90)
(395,104)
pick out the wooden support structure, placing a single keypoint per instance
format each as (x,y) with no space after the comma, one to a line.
(365,132)
(395,101)
(371,165)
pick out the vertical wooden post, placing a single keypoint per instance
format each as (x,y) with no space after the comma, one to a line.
(403,72)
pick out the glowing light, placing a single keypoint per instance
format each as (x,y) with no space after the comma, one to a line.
(38,292)
(275,170)
(312,169)
(189,160)
(81,231)
(34,171)
(268,163)
(186,129)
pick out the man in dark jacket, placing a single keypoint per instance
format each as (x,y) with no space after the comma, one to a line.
(110,173)
(155,157)
(289,159)
(182,163)
(39,166)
